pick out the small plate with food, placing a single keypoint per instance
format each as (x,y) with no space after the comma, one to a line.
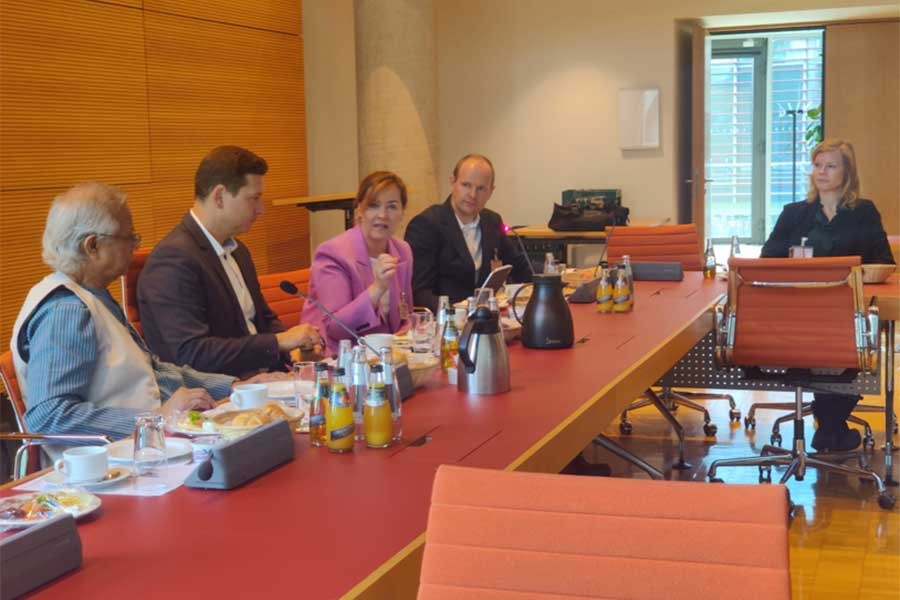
(24,510)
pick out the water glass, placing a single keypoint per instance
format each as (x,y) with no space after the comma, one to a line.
(421,330)
(149,450)
(304,384)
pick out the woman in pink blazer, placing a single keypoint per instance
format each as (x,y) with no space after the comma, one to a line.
(364,275)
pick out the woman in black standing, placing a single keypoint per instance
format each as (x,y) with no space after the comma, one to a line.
(836,222)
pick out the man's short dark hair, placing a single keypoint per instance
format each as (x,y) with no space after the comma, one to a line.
(228,166)
(480,157)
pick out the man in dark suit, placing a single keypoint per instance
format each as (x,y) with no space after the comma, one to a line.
(198,293)
(456,244)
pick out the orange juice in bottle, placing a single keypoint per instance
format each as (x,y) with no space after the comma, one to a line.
(622,293)
(317,406)
(377,413)
(604,293)
(339,425)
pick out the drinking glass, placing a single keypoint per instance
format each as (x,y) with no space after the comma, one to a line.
(483,296)
(304,387)
(422,330)
(149,451)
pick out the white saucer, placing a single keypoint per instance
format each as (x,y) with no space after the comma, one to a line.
(122,452)
(113,475)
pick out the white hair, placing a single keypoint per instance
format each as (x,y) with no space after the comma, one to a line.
(75,214)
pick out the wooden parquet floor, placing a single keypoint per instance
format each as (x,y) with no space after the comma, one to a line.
(843,546)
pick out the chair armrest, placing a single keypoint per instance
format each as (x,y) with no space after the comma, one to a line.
(36,438)
(723,332)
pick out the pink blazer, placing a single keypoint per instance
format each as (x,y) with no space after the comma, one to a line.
(339,277)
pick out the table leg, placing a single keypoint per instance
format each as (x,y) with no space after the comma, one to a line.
(889,406)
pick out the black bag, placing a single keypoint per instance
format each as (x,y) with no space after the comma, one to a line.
(576,218)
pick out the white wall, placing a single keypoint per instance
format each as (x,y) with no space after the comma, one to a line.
(329,53)
(533,85)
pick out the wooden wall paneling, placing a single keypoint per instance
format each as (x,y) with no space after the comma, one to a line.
(862,95)
(272,15)
(74,99)
(24,213)
(250,95)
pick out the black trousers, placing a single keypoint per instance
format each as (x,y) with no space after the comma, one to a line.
(832,410)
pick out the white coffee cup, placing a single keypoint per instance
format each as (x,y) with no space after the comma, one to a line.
(83,464)
(378,341)
(250,395)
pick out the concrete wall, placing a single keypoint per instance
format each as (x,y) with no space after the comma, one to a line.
(330,74)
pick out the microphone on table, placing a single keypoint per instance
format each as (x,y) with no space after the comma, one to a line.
(521,245)
(289,288)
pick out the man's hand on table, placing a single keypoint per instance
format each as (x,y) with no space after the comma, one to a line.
(185,399)
(303,335)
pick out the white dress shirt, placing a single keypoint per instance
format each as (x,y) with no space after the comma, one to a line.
(233,271)
(472,234)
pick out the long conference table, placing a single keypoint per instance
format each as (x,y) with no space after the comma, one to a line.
(329,526)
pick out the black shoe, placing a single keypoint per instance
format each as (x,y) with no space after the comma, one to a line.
(823,440)
(846,441)
(581,466)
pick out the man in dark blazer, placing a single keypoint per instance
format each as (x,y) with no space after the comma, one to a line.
(198,294)
(456,244)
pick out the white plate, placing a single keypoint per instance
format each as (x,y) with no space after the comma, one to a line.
(113,475)
(88,504)
(122,452)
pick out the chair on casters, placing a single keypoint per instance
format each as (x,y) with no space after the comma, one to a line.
(667,243)
(27,459)
(518,536)
(800,323)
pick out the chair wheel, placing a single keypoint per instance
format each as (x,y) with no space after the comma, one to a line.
(765,474)
(749,423)
(775,439)
(710,429)
(886,501)
(734,415)
(625,428)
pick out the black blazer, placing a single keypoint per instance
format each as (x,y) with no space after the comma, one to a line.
(190,314)
(442,264)
(855,232)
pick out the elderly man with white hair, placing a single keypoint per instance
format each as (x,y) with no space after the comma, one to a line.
(82,368)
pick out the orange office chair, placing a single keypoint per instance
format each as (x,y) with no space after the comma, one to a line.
(129,288)
(287,307)
(802,323)
(27,458)
(666,243)
(522,536)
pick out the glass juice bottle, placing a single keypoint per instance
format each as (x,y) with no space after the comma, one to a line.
(359,381)
(377,412)
(709,260)
(339,426)
(629,277)
(392,390)
(317,406)
(450,342)
(441,319)
(604,293)
(621,294)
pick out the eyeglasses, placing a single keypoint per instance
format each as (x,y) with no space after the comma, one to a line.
(134,238)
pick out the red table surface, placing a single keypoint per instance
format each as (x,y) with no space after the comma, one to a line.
(320,524)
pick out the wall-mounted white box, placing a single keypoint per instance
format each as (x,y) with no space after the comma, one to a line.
(638,118)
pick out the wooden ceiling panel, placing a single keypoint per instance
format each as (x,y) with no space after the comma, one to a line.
(74,98)
(273,15)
